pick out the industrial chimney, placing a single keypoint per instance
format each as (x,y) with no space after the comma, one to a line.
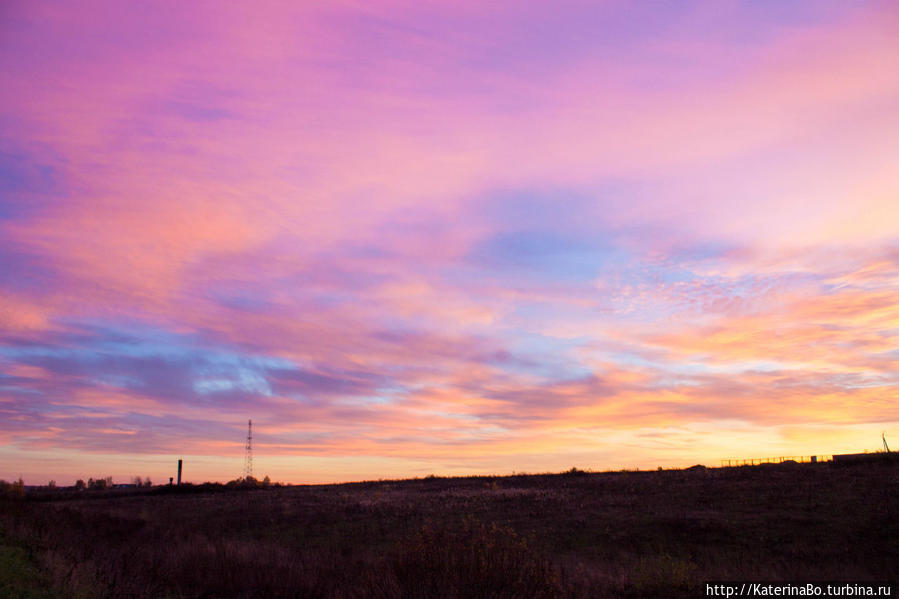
(179,471)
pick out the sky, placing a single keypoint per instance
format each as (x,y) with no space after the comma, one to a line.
(410,238)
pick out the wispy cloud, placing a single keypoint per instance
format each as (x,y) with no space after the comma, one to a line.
(442,237)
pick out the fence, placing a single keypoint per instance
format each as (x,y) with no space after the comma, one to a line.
(802,459)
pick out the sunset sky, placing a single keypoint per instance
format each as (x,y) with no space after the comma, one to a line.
(456,237)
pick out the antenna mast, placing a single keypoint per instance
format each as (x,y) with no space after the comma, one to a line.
(248,455)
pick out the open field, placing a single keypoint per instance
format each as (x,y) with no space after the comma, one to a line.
(629,534)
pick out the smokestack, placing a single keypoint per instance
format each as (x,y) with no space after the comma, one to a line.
(179,471)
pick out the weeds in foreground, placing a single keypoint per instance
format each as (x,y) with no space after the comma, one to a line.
(625,534)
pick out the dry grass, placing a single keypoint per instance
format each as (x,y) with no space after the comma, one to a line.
(632,534)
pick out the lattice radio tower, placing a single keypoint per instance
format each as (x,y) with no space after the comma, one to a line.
(248,455)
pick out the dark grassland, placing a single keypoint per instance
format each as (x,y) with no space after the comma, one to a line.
(620,534)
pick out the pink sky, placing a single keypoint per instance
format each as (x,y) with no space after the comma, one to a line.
(410,238)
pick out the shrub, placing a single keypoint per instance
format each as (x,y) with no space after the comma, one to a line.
(13,490)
